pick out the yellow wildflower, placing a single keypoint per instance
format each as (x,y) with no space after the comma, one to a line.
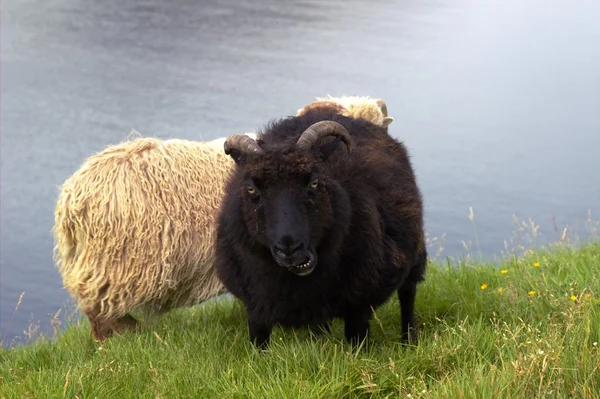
(536,264)
(504,271)
(588,296)
(501,290)
(483,286)
(531,293)
(573,298)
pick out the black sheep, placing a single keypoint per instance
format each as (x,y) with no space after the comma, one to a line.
(322,218)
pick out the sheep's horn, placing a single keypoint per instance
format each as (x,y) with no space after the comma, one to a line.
(242,143)
(381,104)
(318,130)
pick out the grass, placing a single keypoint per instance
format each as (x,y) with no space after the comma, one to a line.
(527,328)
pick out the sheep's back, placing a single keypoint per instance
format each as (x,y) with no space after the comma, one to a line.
(359,107)
(136,224)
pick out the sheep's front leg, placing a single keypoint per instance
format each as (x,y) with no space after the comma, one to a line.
(260,331)
(356,324)
(125,323)
(101,328)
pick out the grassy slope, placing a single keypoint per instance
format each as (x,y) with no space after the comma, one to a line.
(532,332)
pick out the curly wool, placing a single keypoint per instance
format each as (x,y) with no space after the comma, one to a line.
(135,226)
(352,107)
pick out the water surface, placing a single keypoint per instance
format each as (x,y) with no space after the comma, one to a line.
(498,103)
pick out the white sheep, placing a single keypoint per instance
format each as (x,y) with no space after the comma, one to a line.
(134,228)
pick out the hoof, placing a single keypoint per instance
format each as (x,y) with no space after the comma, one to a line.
(411,337)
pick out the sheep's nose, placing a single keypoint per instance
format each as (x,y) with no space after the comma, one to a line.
(288,247)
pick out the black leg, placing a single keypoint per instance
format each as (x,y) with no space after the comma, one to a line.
(260,332)
(406,295)
(356,324)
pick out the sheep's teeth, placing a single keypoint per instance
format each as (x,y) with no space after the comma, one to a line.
(303,265)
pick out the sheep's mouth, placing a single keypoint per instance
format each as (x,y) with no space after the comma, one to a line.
(306,267)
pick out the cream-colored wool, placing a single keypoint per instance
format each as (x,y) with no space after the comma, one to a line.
(353,107)
(135,226)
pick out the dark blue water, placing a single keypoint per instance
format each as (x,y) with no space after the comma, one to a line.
(499,103)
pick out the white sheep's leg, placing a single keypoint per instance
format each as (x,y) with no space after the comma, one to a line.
(125,323)
(104,328)
(101,328)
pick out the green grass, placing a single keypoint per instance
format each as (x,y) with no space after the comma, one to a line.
(538,337)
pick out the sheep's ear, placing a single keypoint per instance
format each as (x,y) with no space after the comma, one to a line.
(328,148)
(387,121)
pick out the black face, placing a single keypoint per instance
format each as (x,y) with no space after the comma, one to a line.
(288,209)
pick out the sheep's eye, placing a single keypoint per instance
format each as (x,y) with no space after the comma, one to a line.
(314,183)
(251,190)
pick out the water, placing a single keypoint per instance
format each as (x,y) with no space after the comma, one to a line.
(499,103)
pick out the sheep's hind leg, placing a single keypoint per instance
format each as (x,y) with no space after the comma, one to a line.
(406,294)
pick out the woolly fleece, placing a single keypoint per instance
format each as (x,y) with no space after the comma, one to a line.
(352,107)
(135,226)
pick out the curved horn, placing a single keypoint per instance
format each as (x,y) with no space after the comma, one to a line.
(322,129)
(242,143)
(381,104)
